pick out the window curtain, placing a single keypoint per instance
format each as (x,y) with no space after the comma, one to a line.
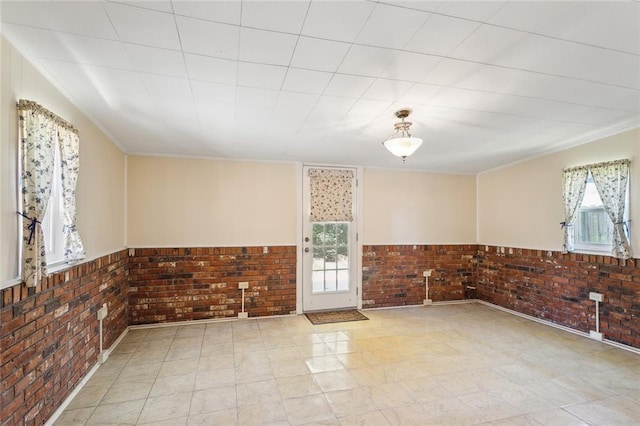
(611,181)
(331,192)
(574,183)
(70,164)
(37,137)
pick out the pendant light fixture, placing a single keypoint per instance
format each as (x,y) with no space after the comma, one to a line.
(401,143)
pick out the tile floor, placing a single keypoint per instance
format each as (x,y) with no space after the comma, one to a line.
(453,364)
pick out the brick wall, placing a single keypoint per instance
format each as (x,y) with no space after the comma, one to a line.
(392,274)
(555,287)
(179,284)
(49,337)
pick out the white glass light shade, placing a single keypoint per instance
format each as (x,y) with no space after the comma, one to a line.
(402,147)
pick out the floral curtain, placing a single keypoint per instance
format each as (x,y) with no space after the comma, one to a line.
(574,183)
(331,195)
(611,182)
(70,164)
(37,137)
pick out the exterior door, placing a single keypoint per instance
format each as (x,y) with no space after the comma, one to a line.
(329,239)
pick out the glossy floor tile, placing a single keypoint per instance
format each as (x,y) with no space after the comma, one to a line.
(462,364)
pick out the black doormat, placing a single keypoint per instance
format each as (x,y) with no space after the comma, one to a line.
(331,317)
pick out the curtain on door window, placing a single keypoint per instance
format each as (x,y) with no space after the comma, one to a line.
(331,193)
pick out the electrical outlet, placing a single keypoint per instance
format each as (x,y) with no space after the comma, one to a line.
(243,285)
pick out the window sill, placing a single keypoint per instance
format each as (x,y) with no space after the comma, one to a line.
(593,252)
(54,268)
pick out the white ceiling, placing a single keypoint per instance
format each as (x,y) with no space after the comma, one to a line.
(318,81)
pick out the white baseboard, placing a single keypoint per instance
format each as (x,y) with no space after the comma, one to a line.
(561,327)
(83,382)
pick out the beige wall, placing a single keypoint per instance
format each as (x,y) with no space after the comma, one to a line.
(418,208)
(521,205)
(177,202)
(100,192)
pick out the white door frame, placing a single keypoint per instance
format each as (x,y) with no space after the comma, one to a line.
(300,233)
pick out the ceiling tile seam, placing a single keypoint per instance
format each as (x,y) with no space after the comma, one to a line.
(186,68)
(529,97)
(333,74)
(352,44)
(479,63)
(415,83)
(284,79)
(336,40)
(507,114)
(528,70)
(295,46)
(235,104)
(435,12)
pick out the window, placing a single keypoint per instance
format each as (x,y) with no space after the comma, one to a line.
(595,199)
(50,159)
(52,225)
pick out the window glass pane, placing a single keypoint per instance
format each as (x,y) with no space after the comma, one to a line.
(318,281)
(343,258)
(592,226)
(318,230)
(318,258)
(343,234)
(330,283)
(52,223)
(343,279)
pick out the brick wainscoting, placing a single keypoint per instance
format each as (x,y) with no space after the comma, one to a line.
(392,274)
(49,338)
(555,287)
(179,284)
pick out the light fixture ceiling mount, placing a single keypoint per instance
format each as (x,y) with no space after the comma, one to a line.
(401,143)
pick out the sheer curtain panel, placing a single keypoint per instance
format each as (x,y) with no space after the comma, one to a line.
(611,180)
(574,182)
(70,165)
(37,139)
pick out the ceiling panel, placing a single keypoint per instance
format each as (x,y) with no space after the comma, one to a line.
(38,43)
(261,76)
(143,26)
(84,18)
(441,34)
(319,81)
(208,38)
(306,81)
(215,70)
(283,16)
(266,47)
(157,61)
(410,66)
(339,21)
(390,26)
(316,54)
(367,61)
(613,25)
(479,11)
(227,12)
(348,85)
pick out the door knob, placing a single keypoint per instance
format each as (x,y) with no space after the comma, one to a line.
(306,249)
(306,239)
